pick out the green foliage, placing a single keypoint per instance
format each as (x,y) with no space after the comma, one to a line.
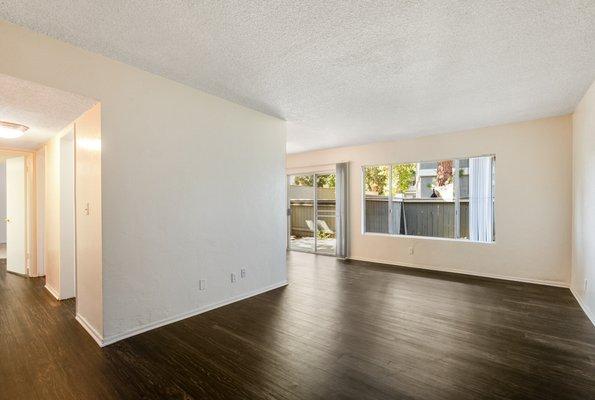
(322,181)
(324,235)
(325,181)
(377,179)
(403,177)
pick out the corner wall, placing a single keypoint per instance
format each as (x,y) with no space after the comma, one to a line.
(52,215)
(89,279)
(532,207)
(2,202)
(583,176)
(192,186)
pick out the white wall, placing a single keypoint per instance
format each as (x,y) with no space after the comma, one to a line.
(2,202)
(89,280)
(192,185)
(532,207)
(67,231)
(583,232)
(40,209)
(51,222)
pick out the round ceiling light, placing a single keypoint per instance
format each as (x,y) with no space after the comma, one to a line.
(9,130)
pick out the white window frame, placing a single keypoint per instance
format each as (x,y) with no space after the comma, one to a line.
(427,172)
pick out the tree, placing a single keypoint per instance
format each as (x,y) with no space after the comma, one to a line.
(403,177)
(322,181)
(444,173)
(302,180)
(376,179)
(325,181)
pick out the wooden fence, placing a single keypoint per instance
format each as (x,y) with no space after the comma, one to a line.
(427,217)
(423,217)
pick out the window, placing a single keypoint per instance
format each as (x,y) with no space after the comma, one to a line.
(443,199)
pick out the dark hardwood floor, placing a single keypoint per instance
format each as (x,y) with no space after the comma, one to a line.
(338,331)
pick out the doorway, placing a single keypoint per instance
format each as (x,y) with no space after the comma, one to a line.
(312,212)
(14,226)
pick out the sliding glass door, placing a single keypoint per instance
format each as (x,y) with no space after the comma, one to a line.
(325,214)
(301,213)
(312,213)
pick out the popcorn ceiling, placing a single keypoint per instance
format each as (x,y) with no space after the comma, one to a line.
(345,73)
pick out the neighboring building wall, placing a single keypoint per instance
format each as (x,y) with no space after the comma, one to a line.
(532,206)
(583,174)
(193,186)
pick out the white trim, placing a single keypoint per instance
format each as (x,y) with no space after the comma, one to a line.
(90,329)
(53,291)
(586,310)
(401,235)
(152,325)
(308,170)
(464,272)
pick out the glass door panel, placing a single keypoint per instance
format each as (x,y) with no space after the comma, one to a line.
(325,214)
(302,221)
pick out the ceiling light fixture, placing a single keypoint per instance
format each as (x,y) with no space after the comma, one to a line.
(9,130)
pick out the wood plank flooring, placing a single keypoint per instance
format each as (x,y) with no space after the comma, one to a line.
(338,331)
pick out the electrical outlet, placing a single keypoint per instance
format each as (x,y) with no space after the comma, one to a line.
(243,272)
(233,278)
(202,284)
(411,250)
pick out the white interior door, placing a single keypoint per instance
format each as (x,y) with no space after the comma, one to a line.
(16,230)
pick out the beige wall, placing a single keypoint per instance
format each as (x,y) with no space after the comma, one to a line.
(89,302)
(178,170)
(532,209)
(40,210)
(52,215)
(583,233)
(88,218)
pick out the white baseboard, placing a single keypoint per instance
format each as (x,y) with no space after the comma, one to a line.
(586,310)
(90,330)
(52,291)
(166,321)
(464,272)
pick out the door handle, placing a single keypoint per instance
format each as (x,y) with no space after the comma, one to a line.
(7,219)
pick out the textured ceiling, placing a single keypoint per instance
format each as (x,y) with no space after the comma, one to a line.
(46,111)
(345,73)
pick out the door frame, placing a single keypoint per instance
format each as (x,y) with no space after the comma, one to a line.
(315,204)
(31,207)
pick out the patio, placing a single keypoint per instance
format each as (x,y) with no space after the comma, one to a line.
(306,243)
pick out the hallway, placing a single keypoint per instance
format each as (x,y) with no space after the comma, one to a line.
(337,331)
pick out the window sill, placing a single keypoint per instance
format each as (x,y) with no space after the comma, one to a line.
(399,236)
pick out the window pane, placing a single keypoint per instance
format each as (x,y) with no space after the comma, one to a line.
(301,203)
(427,208)
(325,218)
(444,199)
(376,198)
(463,192)
(403,184)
